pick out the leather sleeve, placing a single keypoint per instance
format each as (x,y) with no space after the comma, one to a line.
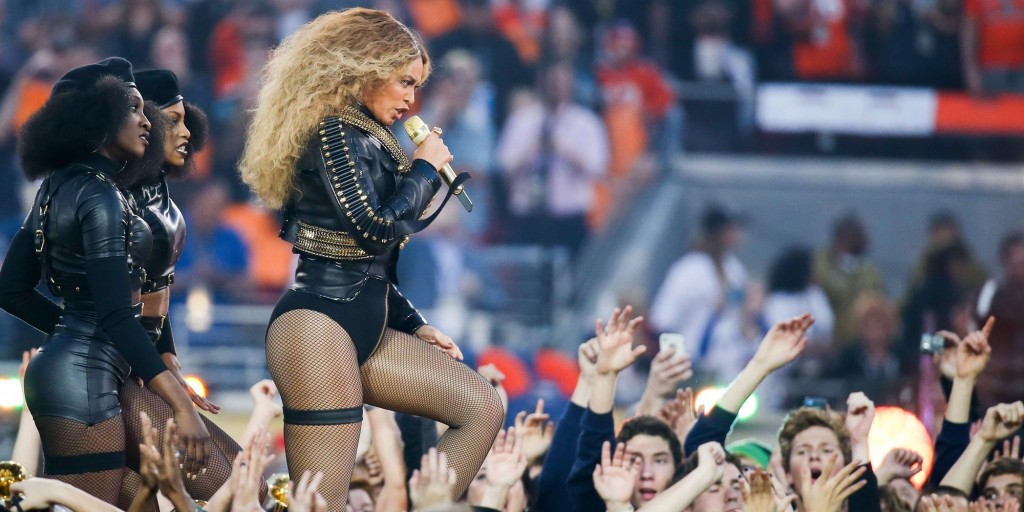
(111,289)
(19,277)
(104,225)
(402,315)
(165,343)
(369,216)
(102,220)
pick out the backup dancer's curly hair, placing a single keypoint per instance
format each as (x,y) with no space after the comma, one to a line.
(72,124)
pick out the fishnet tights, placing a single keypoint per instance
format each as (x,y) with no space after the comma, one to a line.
(135,398)
(218,465)
(407,375)
(313,361)
(63,437)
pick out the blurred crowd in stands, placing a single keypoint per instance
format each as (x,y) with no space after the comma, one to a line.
(561,110)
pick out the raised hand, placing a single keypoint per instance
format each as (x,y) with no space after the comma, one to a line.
(247,470)
(433,336)
(667,371)
(759,495)
(832,488)
(537,431)
(615,342)
(898,463)
(1001,421)
(586,356)
(679,414)
(506,462)
(432,484)
(615,476)
(263,393)
(974,352)
(1011,450)
(936,503)
(860,412)
(304,496)
(784,341)
(711,460)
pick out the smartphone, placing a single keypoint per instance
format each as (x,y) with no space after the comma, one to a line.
(815,401)
(672,340)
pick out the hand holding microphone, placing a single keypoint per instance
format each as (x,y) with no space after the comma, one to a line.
(419,132)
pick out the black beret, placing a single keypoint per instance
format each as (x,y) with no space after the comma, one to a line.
(159,86)
(84,77)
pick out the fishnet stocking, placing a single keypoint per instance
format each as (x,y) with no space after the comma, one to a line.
(129,488)
(63,437)
(407,375)
(313,362)
(135,398)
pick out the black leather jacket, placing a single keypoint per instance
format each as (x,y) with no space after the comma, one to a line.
(350,180)
(86,218)
(154,205)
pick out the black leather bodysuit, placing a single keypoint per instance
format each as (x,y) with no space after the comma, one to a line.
(154,205)
(357,201)
(84,240)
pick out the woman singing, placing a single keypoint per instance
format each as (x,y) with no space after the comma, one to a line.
(82,237)
(344,335)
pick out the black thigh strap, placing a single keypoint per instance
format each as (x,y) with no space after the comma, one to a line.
(86,463)
(323,416)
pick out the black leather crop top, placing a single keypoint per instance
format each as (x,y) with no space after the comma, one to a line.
(85,216)
(358,199)
(154,204)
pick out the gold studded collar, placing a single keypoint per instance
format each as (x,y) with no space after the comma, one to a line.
(356,117)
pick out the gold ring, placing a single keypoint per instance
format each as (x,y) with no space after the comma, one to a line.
(437,130)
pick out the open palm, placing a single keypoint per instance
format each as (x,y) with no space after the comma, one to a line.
(615,341)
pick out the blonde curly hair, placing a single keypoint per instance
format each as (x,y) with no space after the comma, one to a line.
(326,65)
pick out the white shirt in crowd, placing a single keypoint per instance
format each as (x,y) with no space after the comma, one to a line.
(579,156)
(691,297)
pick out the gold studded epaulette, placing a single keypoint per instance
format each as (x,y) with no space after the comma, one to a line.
(355,117)
(342,173)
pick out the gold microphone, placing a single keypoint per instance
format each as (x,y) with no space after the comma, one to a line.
(418,131)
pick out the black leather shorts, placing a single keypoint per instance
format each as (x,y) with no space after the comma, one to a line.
(77,373)
(363,316)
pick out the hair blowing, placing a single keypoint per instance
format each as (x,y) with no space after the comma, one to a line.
(324,66)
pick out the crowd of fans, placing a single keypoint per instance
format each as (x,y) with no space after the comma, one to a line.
(668,456)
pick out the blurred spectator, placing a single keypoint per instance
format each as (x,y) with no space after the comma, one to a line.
(772,41)
(911,42)
(551,152)
(522,22)
(291,14)
(944,231)
(703,297)
(460,103)
(171,51)
(132,36)
(637,100)
(215,257)
(826,38)
(716,57)
(844,272)
(433,18)
(930,306)
(499,62)
(1004,299)
(993,46)
(564,41)
(872,363)
(792,292)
